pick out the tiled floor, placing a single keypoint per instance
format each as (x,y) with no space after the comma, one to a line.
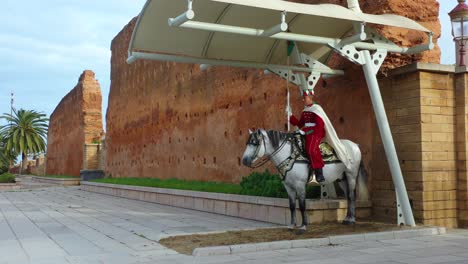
(66,225)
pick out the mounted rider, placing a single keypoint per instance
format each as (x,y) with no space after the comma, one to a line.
(316,126)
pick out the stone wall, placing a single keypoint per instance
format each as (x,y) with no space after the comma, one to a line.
(38,166)
(75,121)
(426,104)
(92,157)
(461,119)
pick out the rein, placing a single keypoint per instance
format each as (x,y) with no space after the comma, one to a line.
(268,157)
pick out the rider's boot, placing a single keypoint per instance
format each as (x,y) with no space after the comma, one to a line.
(311,170)
(319,175)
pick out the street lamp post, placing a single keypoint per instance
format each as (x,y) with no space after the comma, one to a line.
(11,114)
(459,18)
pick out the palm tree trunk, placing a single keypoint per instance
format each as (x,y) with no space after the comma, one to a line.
(24,163)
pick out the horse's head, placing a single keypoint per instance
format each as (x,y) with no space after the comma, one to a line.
(256,147)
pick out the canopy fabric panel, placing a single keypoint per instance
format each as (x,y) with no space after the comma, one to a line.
(152,33)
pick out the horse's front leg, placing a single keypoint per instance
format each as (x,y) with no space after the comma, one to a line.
(292,206)
(301,195)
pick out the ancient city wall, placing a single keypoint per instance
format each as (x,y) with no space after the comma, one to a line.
(75,121)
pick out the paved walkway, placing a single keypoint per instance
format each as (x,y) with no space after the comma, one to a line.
(66,225)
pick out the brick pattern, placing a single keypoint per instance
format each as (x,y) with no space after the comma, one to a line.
(461,95)
(92,157)
(438,161)
(76,120)
(421,110)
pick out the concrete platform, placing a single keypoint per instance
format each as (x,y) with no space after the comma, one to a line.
(66,225)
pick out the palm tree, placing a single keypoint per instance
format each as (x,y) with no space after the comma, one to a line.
(6,158)
(25,133)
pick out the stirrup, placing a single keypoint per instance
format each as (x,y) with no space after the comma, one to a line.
(313,181)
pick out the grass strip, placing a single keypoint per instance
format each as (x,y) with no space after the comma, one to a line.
(214,187)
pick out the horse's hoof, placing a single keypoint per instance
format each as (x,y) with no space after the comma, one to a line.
(300,231)
(347,222)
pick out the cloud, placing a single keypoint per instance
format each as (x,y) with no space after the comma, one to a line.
(446,40)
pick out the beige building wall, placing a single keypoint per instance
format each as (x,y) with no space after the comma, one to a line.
(461,112)
(92,156)
(427,113)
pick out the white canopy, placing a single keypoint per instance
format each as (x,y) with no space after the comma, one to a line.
(325,21)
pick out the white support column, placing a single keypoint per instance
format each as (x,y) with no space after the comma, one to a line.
(371,67)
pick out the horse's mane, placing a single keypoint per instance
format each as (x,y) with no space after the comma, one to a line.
(276,137)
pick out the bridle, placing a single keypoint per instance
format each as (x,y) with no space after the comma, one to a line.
(254,141)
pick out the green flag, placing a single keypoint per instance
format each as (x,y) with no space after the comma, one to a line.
(290,47)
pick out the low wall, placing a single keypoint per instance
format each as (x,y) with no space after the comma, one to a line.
(272,210)
(9,186)
(55,181)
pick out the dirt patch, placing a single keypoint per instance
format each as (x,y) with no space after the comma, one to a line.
(186,244)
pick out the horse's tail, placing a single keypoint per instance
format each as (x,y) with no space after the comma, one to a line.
(362,190)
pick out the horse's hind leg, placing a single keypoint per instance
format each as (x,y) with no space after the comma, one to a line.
(292,206)
(351,195)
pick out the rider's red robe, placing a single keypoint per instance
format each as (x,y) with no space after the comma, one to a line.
(314,129)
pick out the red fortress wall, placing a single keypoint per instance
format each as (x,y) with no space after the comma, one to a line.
(75,121)
(173,120)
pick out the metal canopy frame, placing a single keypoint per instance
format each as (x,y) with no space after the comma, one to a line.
(356,48)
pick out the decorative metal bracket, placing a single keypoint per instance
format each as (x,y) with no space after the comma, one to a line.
(400,219)
(354,55)
(300,79)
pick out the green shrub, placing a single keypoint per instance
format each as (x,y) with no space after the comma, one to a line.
(7,178)
(263,184)
(3,169)
(270,185)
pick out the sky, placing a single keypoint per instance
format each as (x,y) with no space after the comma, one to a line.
(46,45)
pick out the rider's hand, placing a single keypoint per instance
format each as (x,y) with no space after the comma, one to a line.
(287,110)
(301,132)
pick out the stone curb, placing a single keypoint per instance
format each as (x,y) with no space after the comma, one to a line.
(304,243)
(49,180)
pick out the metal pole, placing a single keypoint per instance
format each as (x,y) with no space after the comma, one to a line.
(386,134)
(11,114)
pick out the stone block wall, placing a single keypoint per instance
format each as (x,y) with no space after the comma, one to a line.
(428,126)
(38,166)
(75,121)
(461,114)
(92,157)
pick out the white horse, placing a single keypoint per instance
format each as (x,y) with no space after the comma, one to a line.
(278,146)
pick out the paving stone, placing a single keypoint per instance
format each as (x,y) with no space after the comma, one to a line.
(303,243)
(379,236)
(347,239)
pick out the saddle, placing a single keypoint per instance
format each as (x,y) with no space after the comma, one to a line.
(298,153)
